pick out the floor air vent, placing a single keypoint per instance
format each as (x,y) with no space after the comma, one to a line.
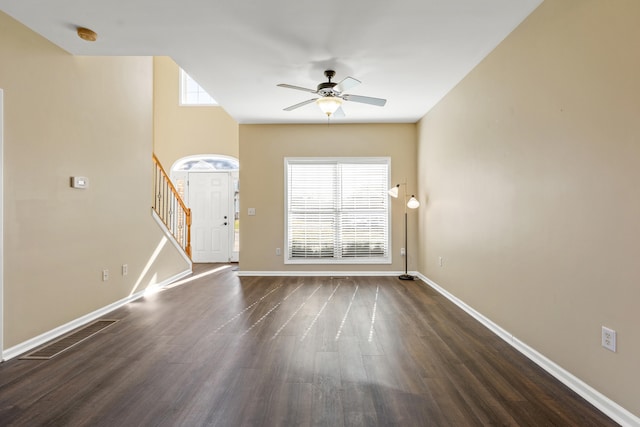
(54,348)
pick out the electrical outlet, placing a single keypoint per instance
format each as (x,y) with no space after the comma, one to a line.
(609,339)
(105,275)
(125,269)
(278,251)
(402,252)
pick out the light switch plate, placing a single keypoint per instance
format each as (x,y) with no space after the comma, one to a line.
(81,182)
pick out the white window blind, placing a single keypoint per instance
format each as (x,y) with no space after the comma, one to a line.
(337,210)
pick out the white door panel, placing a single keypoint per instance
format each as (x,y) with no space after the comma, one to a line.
(210,226)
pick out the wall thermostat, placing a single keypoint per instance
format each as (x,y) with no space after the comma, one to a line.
(79,182)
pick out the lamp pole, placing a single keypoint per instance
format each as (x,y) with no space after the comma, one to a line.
(412,203)
(406,275)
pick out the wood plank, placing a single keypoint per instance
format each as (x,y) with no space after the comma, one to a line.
(327,409)
(215,351)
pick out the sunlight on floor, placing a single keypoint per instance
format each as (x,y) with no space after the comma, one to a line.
(197,276)
(146,268)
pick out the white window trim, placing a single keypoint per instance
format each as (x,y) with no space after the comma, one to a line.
(335,261)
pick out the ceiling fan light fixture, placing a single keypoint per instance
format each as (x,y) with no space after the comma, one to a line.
(329,104)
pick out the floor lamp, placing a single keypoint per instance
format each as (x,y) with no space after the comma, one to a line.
(411,203)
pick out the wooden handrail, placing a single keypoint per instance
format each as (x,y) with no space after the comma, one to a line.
(166,200)
(171,186)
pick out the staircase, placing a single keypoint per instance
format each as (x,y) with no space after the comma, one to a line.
(170,208)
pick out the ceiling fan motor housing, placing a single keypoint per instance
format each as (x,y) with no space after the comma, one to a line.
(326,89)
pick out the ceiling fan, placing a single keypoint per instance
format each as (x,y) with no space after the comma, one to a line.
(331,95)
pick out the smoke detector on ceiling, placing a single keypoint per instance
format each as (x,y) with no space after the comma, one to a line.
(87,34)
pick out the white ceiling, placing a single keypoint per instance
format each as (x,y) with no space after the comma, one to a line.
(411,52)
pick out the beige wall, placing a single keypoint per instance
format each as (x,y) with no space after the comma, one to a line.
(532,170)
(262,152)
(189,130)
(68,116)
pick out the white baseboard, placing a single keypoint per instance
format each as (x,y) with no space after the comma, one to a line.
(32,343)
(593,396)
(323,273)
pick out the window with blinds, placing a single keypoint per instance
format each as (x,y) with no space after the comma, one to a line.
(337,210)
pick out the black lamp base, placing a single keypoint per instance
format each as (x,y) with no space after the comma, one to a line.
(406,277)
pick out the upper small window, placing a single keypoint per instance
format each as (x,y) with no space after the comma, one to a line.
(191,93)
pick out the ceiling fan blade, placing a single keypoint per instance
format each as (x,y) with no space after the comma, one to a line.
(300,104)
(338,113)
(347,83)
(297,88)
(365,100)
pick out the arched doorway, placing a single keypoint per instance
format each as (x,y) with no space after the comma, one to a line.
(208,183)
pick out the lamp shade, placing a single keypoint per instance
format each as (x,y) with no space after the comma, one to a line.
(329,104)
(413,203)
(394,191)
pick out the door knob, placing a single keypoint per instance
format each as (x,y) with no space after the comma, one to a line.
(224,223)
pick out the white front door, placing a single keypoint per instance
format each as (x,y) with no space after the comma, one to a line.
(208,198)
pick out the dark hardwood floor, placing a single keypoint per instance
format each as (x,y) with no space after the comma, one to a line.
(289,351)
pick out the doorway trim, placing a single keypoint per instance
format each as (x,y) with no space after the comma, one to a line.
(1,225)
(203,163)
